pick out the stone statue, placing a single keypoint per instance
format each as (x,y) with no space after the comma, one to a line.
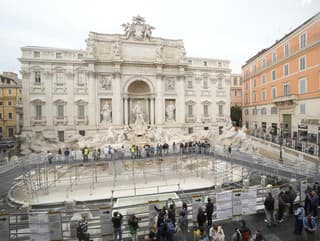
(128,30)
(106,82)
(138,29)
(170,111)
(116,49)
(159,52)
(148,31)
(171,84)
(106,113)
(139,114)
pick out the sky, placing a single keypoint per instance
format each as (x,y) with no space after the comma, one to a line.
(228,29)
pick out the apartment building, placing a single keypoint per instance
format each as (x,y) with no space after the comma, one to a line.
(235,90)
(281,89)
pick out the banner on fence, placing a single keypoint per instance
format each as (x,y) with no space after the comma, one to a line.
(55,226)
(39,226)
(237,204)
(224,204)
(106,223)
(4,227)
(197,202)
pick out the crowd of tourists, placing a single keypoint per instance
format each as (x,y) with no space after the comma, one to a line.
(135,151)
(305,216)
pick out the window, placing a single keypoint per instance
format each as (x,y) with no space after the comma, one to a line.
(80,56)
(264,63)
(263,111)
(206,128)
(38,112)
(9,102)
(273,75)
(206,110)
(10,131)
(302,63)
(58,55)
(274,110)
(264,94)
(0,102)
(205,83)
(254,68)
(81,78)
(190,112)
(1,130)
(235,82)
(219,64)
(273,92)
(247,85)
(235,92)
(36,54)
(190,130)
(263,79)
(190,84)
(254,82)
(286,69)
(302,86)
(82,133)
(303,40)
(254,96)
(0,115)
(220,110)
(246,112)
(81,111)
(60,111)
(205,63)
(220,84)
(286,50)
(254,111)
(10,116)
(286,89)
(189,61)
(61,136)
(302,108)
(9,91)
(59,78)
(274,57)
(37,77)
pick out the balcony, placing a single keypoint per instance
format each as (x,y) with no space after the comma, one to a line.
(288,99)
(81,120)
(38,121)
(190,119)
(205,118)
(60,120)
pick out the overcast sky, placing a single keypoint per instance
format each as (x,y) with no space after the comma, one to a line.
(228,29)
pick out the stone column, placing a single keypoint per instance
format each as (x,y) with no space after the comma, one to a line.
(130,109)
(180,100)
(152,110)
(126,111)
(159,101)
(116,100)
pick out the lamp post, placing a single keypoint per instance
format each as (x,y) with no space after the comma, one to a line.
(281,139)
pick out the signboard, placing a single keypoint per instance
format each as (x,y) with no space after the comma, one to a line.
(106,223)
(237,204)
(152,211)
(55,226)
(4,227)
(39,227)
(197,202)
(303,188)
(224,204)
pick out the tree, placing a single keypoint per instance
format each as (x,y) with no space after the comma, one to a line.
(236,115)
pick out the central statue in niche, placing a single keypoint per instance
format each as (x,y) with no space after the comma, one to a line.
(137,111)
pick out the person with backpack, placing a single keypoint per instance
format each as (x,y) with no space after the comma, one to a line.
(269,209)
(183,225)
(236,235)
(133,226)
(244,230)
(298,224)
(209,211)
(171,211)
(82,230)
(310,226)
(171,230)
(201,218)
(117,223)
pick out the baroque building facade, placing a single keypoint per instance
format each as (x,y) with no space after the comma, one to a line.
(127,81)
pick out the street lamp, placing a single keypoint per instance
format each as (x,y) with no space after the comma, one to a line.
(281,139)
